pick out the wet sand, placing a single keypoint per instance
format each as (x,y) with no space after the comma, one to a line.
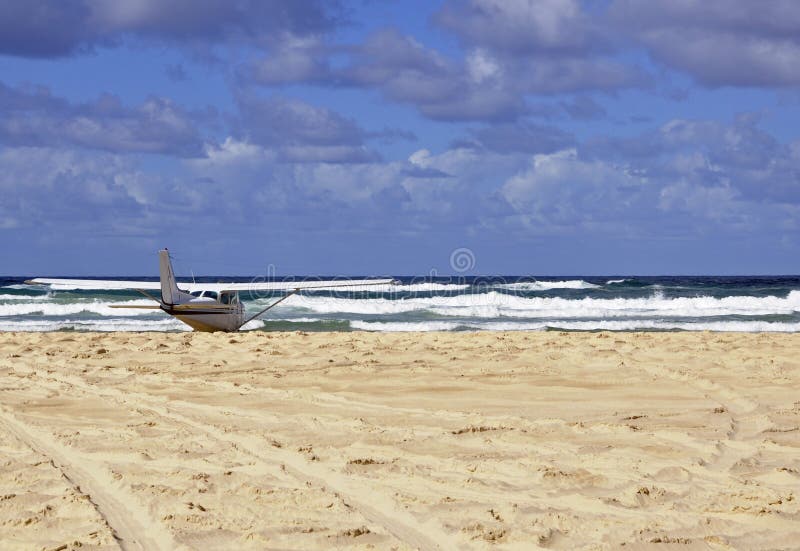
(399,441)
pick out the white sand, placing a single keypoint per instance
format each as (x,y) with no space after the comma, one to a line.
(399,441)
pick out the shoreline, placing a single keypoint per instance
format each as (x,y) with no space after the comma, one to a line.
(313,330)
(312,440)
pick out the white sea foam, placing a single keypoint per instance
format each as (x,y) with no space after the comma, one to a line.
(69,309)
(399,288)
(169,324)
(252,324)
(414,288)
(612,281)
(398,326)
(25,297)
(493,310)
(474,325)
(546,285)
(495,305)
(297,320)
(632,325)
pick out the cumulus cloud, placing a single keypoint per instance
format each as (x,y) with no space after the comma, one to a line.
(398,65)
(549,46)
(32,116)
(676,189)
(39,28)
(521,137)
(523,26)
(684,178)
(714,202)
(442,89)
(425,192)
(60,189)
(719,42)
(494,80)
(738,154)
(67,193)
(514,86)
(291,59)
(511,50)
(300,132)
(561,191)
(307,196)
(485,85)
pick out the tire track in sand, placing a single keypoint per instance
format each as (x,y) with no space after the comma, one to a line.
(335,401)
(130,523)
(376,508)
(744,418)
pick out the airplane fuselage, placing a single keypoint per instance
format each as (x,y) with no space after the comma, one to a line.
(201,310)
(209,316)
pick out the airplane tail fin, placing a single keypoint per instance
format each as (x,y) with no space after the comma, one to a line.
(169,288)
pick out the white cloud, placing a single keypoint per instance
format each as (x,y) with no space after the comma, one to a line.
(561,175)
(233,152)
(421,158)
(561,193)
(482,67)
(717,203)
(719,42)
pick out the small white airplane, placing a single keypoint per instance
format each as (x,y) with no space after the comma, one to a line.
(203,306)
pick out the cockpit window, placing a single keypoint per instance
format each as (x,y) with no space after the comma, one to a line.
(196,293)
(229,297)
(211,294)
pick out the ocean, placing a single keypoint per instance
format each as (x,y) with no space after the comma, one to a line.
(572,303)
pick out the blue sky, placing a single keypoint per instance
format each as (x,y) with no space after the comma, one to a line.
(546,136)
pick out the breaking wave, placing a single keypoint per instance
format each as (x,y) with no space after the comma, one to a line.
(169,324)
(637,325)
(546,285)
(613,303)
(25,297)
(415,288)
(494,305)
(69,309)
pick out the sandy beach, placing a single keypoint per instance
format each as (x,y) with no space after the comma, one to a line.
(399,441)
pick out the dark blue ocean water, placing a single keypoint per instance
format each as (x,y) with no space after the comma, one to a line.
(763,303)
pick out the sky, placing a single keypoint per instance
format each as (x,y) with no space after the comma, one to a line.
(532,137)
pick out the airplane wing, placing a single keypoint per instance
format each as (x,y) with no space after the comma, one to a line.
(289,285)
(110,284)
(103,284)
